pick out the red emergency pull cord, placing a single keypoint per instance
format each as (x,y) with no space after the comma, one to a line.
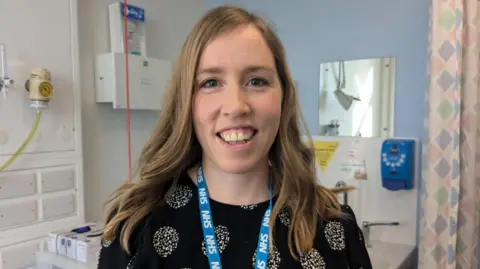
(127,90)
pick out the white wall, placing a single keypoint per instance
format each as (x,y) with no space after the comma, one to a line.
(104,129)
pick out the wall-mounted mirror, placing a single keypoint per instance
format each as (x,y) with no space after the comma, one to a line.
(357,98)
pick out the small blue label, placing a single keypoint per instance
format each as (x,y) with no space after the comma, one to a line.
(133,12)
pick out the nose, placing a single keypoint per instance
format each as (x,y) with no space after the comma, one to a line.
(235,102)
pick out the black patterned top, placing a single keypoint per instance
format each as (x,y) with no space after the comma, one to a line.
(172,238)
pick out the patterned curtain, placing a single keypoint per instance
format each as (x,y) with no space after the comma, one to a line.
(451,160)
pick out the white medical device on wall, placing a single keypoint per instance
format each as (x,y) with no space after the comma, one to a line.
(136,29)
(5,80)
(40,89)
(147,77)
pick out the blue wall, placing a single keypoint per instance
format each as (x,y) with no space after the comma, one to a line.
(316,31)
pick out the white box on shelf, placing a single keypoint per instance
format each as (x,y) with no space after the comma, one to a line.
(88,245)
(88,250)
(148,77)
(63,242)
(54,242)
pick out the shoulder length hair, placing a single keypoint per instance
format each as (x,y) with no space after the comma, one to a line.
(173,147)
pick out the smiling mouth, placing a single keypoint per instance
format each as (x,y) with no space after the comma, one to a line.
(234,137)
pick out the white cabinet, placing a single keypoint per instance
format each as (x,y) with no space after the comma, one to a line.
(148,77)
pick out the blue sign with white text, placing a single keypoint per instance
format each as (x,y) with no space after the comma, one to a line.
(133,12)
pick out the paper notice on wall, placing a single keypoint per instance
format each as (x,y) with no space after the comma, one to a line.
(352,165)
(349,164)
(324,152)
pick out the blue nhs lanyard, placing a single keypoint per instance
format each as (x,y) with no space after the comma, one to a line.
(213,252)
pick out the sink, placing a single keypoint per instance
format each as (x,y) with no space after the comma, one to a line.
(386,255)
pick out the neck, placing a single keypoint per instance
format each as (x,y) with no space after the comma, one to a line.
(247,188)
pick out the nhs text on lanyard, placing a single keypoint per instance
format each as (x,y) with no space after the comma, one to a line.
(213,251)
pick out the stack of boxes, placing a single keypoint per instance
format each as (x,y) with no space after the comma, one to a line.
(81,245)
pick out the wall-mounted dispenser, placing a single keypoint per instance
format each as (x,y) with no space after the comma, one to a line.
(398,164)
(136,29)
(147,77)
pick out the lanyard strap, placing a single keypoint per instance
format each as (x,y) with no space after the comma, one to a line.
(213,252)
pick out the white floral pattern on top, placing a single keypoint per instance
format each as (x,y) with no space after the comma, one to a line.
(131,262)
(178,196)
(312,260)
(223,237)
(249,207)
(284,216)
(106,243)
(335,235)
(165,241)
(274,259)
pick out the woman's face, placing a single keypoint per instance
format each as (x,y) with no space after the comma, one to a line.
(237,103)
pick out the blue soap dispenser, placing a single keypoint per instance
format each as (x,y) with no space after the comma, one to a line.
(398,164)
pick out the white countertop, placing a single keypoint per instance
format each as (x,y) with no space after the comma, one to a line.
(390,255)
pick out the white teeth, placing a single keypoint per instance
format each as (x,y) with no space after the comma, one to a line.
(236,137)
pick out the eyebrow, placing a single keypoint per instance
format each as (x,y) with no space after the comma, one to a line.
(249,69)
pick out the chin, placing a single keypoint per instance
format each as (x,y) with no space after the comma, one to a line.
(236,166)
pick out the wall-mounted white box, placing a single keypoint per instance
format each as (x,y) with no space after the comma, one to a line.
(148,78)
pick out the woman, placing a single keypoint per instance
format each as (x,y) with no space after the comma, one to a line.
(226,180)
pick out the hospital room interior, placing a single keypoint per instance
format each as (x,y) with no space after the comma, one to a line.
(389,91)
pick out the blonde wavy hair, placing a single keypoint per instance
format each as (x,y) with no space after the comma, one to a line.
(173,147)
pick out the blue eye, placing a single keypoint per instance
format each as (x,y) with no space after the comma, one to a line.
(210,83)
(257,82)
